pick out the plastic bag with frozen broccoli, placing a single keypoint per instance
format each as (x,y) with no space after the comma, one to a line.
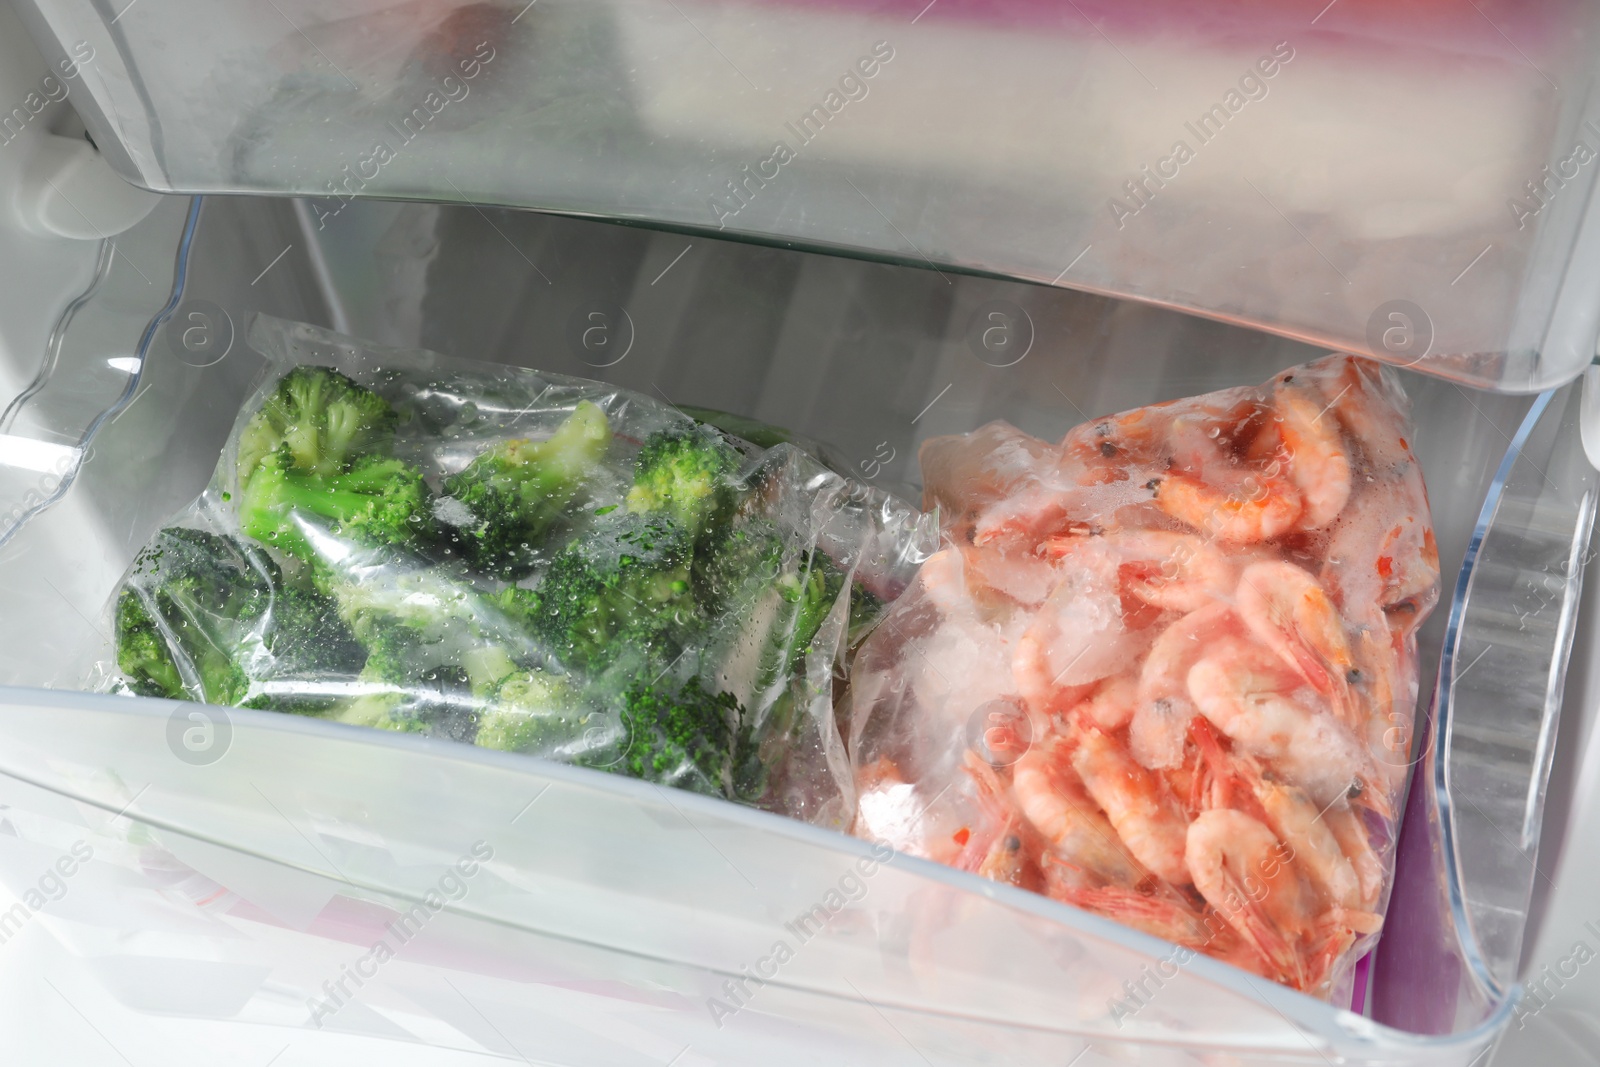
(526,562)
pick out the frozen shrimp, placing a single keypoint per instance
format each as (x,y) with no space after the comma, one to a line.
(1318,464)
(943,579)
(1245,872)
(1382,552)
(1136,438)
(1289,612)
(1378,652)
(1250,695)
(1228,779)
(1022,577)
(1009,488)
(1314,845)
(1372,412)
(1164,568)
(1053,798)
(1112,703)
(1161,716)
(1207,609)
(1079,636)
(1206,486)
(989,585)
(978,480)
(1163,913)
(1241,507)
(1354,841)
(996,849)
(1138,802)
(1039,683)
(1023,519)
(1317,852)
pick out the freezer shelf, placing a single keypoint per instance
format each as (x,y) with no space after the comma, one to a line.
(1245,161)
(664,903)
(871,357)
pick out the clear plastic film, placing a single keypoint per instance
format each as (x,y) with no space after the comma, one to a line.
(1166,670)
(523,561)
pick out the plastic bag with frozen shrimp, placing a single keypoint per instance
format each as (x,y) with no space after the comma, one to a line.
(1166,670)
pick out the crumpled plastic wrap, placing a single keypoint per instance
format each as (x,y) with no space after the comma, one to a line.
(483,555)
(1166,670)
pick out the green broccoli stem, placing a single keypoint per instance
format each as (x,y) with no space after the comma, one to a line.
(812,592)
(339,497)
(380,502)
(487,666)
(554,468)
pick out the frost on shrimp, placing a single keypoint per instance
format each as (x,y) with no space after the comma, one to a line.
(961,666)
(935,663)
(962,472)
(1261,706)
(1166,569)
(1382,552)
(890,808)
(1079,636)
(1024,578)
(998,483)
(985,583)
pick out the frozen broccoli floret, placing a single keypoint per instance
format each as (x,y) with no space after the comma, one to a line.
(405,691)
(532,711)
(624,585)
(384,709)
(395,655)
(440,650)
(517,490)
(144,656)
(525,710)
(309,655)
(415,709)
(308,638)
(737,561)
(681,735)
(323,420)
(186,612)
(685,473)
(378,502)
